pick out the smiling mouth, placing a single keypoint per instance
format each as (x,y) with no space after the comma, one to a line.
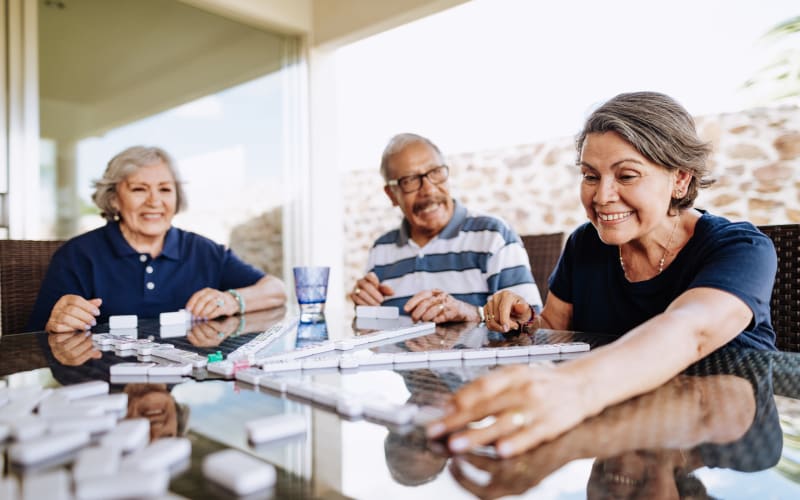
(614,217)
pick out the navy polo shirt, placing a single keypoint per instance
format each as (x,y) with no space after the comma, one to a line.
(101,264)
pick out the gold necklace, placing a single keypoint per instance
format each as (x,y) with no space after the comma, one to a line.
(663,257)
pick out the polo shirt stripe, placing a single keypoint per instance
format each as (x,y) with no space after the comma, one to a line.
(435,264)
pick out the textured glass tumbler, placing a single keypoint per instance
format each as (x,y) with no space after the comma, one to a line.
(311,287)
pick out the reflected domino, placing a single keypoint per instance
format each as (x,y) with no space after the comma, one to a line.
(123,321)
(238,472)
(275,427)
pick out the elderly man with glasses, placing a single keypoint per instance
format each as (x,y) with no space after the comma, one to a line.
(444,261)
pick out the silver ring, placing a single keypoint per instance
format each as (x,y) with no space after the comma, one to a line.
(441,307)
(518,419)
(357,291)
(220,302)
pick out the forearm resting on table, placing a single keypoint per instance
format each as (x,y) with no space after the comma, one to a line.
(266,293)
(695,324)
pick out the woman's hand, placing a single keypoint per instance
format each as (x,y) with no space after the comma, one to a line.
(506,311)
(212,333)
(72,349)
(73,312)
(211,303)
(529,405)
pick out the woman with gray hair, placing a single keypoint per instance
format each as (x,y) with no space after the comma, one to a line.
(138,263)
(674,283)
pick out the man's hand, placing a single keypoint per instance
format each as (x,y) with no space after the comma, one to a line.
(369,291)
(440,307)
(72,313)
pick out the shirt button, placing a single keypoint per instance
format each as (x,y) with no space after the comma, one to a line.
(143,258)
(150,285)
(148,269)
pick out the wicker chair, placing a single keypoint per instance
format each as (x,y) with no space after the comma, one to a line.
(785,303)
(543,253)
(23,264)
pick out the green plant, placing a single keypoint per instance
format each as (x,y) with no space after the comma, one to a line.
(780,78)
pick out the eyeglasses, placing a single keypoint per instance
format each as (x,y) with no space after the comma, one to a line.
(411,183)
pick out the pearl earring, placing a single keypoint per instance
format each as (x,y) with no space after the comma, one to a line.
(116,217)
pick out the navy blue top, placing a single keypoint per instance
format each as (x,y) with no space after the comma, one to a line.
(734,257)
(101,264)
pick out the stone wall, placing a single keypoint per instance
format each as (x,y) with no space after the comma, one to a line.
(534,187)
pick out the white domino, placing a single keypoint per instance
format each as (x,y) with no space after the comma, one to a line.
(283,366)
(26,427)
(349,406)
(47,446)
(537,349)
(171,331)
(447,355)
(303,352)
(174,318)
(479,353)
(9,488)
(250,350)
(316,363)
(410,357)
(276,384)
(386,358)
(83,390)
(130,368)
(95,461)
(377,312)
(389,412)
(573,347)
(130,483)
(238,472)
(92,425)
(123,321)
(275,427)
(180,356)
(52,485)
(23,403)
(170,369)
(129,435)
(250,375)
(512,351)
(162,454)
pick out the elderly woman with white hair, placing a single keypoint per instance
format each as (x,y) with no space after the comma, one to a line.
(138,263)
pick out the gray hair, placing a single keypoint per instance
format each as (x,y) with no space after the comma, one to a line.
(126,163)
(400,141)
(661,130)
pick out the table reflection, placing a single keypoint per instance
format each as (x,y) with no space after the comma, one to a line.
(649,447)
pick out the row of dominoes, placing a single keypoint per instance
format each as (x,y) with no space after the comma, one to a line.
(128,321)
(350,343)
(263,340)
(433,359)
(344,402)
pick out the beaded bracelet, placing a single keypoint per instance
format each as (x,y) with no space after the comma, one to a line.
(239,299)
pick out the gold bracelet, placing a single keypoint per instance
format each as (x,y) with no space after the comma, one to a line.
(239,299)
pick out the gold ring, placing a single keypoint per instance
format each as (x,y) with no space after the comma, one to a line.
(358,291)
(489,317)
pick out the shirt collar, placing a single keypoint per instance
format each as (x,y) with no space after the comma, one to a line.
(122,248)
(451,230)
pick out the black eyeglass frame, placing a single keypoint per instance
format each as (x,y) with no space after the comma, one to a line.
(418,179)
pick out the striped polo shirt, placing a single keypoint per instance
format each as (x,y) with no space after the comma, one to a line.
(472,258)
